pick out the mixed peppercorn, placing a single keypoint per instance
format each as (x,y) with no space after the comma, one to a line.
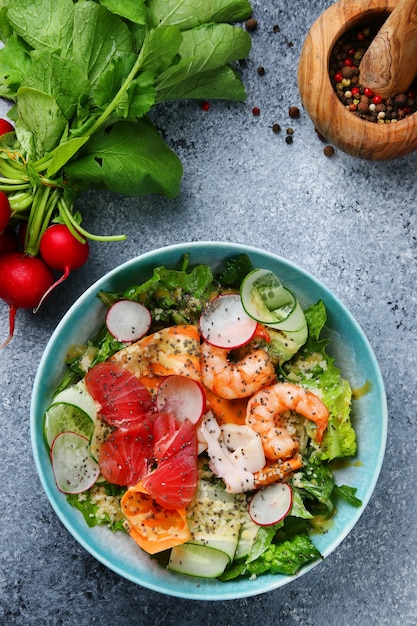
(360,99)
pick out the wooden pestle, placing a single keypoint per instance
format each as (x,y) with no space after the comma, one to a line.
(389,66)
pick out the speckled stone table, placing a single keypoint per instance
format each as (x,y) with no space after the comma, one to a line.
(350,223)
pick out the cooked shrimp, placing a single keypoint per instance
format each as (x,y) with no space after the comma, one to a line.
(266,415)
(276,471)
(235,380)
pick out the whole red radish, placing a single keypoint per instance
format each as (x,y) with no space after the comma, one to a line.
(62,251)
(5,126)
(5,211)
(23,282)
(8,241)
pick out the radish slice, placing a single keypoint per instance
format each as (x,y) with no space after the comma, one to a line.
(225,324)
(182,396)
(127,320)
(270,505)
(74,468)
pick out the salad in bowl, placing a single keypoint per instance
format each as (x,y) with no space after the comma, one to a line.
(204,437)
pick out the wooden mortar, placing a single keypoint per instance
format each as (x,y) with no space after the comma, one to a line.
(340,127)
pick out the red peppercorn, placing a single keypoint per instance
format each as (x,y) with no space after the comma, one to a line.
(407,110)
(368,92)
(355,91)
(377,99)
(351,52)
(205,105)
(411,94)
(256,111)
(338,77)
(348,62)
(360,36)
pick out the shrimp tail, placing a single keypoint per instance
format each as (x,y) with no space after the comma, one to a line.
(277,471)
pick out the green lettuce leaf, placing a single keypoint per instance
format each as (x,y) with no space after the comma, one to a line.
(316,370)
(95,515)
(285,558)
(175,296)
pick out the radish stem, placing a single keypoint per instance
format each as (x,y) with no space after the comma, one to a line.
(12,317)
(70,221)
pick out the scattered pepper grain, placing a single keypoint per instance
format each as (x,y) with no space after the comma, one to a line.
(320,135)
(261,70)
(328,151)
(359,99)
(294,113)
(251,24)
(276,128)
(289,139)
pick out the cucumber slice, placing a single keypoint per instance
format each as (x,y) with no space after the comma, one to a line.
(226,544)
(294,322)
(74,468)
(246,538)
(282,346)
(265,298)
(213,518)
(61,417)
(196,560)
(77,395)
(73,409)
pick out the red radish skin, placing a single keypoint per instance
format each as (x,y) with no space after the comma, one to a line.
(5,211)
(8,241)
(5,126)
(62,251)
(23,282)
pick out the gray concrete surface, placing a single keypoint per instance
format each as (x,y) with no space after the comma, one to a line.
(352,224)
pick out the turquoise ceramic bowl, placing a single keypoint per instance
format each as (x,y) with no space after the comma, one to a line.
(353,354)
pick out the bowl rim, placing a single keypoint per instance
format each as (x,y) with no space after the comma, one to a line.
(196,590)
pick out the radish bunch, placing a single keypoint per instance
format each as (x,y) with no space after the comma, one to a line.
(32,246)
(25,280)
